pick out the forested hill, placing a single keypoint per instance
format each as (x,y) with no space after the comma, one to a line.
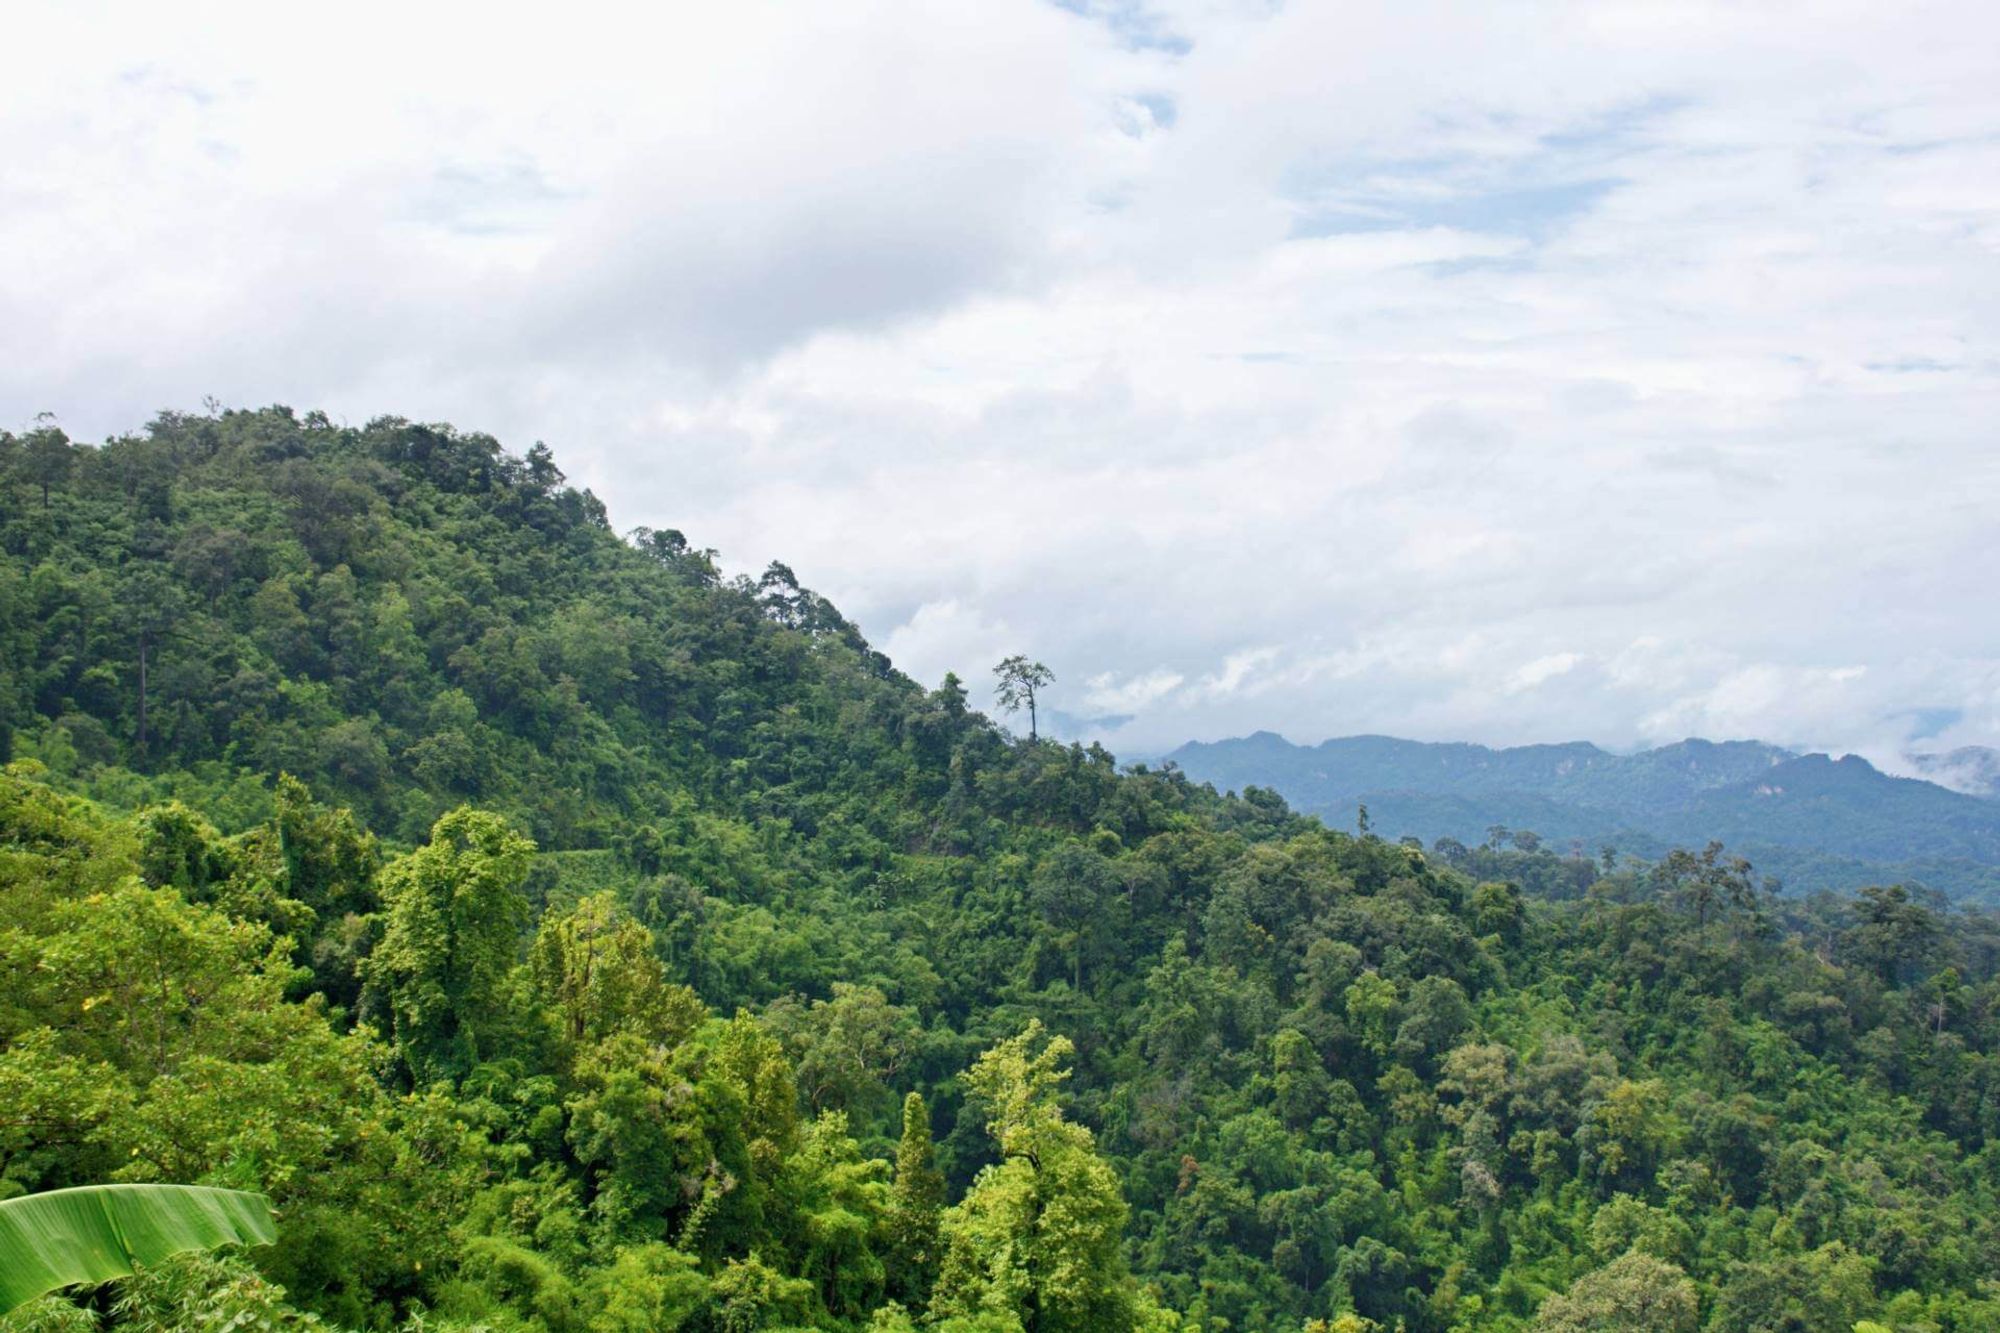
(1814,821)
(567,937)
(406,617)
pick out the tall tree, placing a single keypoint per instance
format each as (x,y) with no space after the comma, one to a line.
(1707,884)
(1020,680)
(1038,1233)
(48,457)
(915,1204)
(149,606)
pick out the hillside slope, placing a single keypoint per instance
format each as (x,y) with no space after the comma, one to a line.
(633,930)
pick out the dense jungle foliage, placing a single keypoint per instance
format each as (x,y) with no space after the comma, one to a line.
(567,937)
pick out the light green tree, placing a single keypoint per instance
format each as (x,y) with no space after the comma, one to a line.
(592,972)
(916,1203)
(1037,1236)
(1634,1293)
(456,911)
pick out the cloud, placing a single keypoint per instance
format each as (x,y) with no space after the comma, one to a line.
(1107,693)
(1542,670)
(941,637)
(1239,669)
(1506,374)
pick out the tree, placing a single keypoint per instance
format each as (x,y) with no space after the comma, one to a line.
(1301,1089)
(543,474)
(48,457)
(915,1203)
(330,860)
(593,972)
(181,850)
(456,910)
(1706,884)
(1070,892)
(1433,1017)
(847,1049)
(150,605)
(1629,1130)
(1894,936)
(783,599)
(838,1203)
(1819,1291)
(1020,679)
(1497,910)
(1634,1293)
(1038,1234)
(1371,1008)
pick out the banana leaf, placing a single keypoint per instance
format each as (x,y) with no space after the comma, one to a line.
(98,1232)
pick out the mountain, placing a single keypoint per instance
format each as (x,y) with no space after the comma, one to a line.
(570,939)
(1577,772)
(1972,769)
(1815,821)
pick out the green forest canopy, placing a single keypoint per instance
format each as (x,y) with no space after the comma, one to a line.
(567,937)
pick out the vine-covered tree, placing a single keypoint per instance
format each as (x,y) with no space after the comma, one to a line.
(455,913)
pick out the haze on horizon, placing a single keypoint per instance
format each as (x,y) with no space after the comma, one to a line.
(1620,372)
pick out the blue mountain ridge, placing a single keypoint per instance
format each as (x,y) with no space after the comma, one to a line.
(1812,820)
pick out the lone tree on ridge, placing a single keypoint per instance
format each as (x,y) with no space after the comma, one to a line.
(1019,679)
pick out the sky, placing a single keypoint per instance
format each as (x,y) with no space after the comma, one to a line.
(1492,371)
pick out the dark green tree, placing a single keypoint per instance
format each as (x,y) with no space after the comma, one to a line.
(1020,682)
(47,459)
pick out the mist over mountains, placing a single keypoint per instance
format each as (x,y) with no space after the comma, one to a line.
(1811,820)
(1972,769)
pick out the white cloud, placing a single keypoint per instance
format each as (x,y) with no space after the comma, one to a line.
(1542,670)
(1601,369)
(946,636)
(1106,692)
(1238,670)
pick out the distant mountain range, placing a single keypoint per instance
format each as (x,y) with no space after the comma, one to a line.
(1812,820)
(1972,769)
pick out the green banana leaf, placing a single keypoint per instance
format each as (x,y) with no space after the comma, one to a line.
(98,1232)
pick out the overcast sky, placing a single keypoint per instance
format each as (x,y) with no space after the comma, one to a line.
(1490,371)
